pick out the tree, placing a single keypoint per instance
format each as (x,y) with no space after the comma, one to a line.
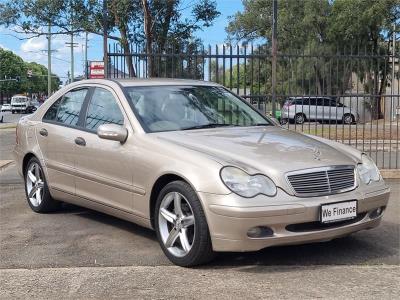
(165,30)
(313,32)
(153,22)
(37,82)
(367,25)
(66,16)
(13,66)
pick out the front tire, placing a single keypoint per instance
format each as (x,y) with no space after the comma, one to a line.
(181,226)
(348,119)
(36,188)
(300,118)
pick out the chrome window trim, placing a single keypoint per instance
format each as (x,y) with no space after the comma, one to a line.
(321,169)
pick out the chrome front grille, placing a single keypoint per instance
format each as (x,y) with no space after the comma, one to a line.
(322,181)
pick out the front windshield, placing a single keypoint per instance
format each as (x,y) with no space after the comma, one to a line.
(18,99)
(167,108)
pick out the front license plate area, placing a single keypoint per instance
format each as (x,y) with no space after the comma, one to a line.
(339,211)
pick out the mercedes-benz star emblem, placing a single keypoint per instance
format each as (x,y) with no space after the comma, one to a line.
(317,153)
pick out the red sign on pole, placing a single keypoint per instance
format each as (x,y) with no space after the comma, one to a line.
(96,69)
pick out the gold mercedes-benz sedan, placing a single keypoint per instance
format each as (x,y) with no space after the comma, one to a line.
(197,164)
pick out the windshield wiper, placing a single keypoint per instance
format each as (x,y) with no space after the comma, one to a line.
(209,125)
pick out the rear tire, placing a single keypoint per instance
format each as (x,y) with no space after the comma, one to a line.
(185,245)
(12,112)
(36,188)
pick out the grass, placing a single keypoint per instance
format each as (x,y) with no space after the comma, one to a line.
(353,132)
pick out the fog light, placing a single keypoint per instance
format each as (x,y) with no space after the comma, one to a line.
(260,232)
(376,212)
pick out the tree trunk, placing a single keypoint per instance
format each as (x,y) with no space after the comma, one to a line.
(165,27)
(377,97)
(127,51)
(382,87)
(148,20)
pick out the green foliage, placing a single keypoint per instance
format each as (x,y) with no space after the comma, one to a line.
(319,35)
(65,16)
(11,66)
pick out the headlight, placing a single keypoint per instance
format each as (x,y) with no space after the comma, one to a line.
(367,170)
(245,185)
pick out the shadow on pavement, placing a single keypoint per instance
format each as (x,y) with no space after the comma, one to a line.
(374,246)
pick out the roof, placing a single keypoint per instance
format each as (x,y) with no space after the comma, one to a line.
(143,82)
(161,81)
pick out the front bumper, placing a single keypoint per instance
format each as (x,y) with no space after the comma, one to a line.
(293,220)
(19,108)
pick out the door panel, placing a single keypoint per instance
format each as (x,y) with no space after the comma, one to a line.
(104,168)
(58,152)
(329,111)
(56,135)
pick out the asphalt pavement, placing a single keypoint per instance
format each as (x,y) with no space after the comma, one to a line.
(82,254)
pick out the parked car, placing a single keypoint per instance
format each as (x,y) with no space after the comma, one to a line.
(197,164)
(21,104)
(35,105)
(302,109)
(6,107)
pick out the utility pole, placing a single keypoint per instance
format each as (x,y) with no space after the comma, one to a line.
(86,57)
(72,45)
(49,61)
(105,29)
(274,54)
(393,66)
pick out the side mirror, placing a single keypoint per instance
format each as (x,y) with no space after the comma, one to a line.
(112,132)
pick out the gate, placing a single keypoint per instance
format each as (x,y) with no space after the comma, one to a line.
(350,94)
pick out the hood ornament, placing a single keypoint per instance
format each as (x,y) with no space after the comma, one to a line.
(316,153)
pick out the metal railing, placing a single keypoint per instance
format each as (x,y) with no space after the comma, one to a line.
(365,80)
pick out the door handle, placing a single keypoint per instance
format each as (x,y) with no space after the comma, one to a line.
(43,132)
(80,141)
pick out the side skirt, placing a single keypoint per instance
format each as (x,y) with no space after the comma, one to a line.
(91,204)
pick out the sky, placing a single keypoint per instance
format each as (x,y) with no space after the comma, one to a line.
(32,49)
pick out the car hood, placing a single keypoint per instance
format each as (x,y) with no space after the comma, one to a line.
(269,150)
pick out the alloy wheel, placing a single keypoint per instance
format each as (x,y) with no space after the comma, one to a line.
(176,223)
(34,184)
(299,119)
(348,119)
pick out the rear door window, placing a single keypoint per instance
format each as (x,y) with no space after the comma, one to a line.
(313,101)
(322,102)
(303,101)
(51,113)
(70,107)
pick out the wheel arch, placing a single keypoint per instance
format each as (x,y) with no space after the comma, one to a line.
(159,184)
(26,159)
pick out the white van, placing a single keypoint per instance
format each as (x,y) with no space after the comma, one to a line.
(301,109)
(21,104)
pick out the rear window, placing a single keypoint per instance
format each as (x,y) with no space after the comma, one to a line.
(67,109)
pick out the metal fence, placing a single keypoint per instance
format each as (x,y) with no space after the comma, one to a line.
(350,94)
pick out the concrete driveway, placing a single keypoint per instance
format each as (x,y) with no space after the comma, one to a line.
(79,253)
